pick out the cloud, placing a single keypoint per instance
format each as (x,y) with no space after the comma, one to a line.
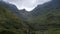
(27,4)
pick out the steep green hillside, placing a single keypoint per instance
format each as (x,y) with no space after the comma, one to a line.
(10,23)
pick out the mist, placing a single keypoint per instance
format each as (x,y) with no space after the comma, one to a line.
(26,4)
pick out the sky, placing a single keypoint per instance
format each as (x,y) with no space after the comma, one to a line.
(26,4)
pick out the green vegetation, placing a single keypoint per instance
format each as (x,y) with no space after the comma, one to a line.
(10,23)
(42,20)
(48,23)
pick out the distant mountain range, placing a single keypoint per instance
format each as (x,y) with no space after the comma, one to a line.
(40,10)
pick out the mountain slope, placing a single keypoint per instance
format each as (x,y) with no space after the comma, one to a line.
(47,8)
(8,6)
(10,22)
(46,16)
(20,13)
(44,19)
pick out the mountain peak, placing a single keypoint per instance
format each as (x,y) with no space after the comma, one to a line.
(23,10)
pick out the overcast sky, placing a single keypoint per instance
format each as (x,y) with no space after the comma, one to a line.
(27,4)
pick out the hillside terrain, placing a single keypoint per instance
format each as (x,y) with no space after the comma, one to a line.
(10,23)
(44,19)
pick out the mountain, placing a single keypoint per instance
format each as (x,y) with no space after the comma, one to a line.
(46,7)
(8,6)
(10,23)
(46,16)
(44,19)
(23,14)
(12,20)
(20,13)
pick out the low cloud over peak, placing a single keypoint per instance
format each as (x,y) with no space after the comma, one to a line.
(26,4)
